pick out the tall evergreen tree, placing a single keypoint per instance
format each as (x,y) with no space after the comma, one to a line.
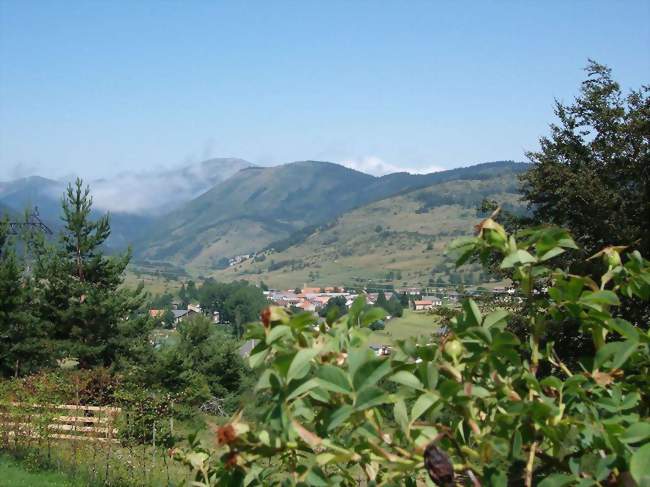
(92,315)
(382,302)
(23,346)
(395,306)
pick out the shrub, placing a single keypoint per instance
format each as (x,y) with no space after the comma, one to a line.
(479,406)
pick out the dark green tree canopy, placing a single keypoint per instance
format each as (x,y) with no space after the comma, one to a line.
(592,173)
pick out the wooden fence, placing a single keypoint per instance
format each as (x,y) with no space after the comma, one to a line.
(59,422)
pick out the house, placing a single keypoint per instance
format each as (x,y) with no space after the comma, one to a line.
(422,305)
(306,306)
(310,290)
(435,300)
(194,307)
(411,291)
(182,314)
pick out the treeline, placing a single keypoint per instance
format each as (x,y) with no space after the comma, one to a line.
(237,302)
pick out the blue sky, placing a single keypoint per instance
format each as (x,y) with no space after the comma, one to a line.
(97,88)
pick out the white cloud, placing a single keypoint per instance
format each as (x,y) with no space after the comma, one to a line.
(378,167)
(162,190)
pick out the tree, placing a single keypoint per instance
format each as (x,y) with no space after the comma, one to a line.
(168,319)
(203,364)
(377,325)
(334,308)
(182,295)
(192,291)
(592,173)
(236,302)
(243,305)
(23,338)
(395,307)
(80,291)
(382,302)
(162,301)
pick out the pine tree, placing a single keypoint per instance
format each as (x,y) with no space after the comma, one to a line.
(182,295)
(395,306)
(22,338)
(93,317)
(382,302)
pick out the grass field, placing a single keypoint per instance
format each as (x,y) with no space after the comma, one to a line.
(411,324)
(12,474)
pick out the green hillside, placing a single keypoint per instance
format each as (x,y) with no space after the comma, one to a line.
(398,240)
(259,206)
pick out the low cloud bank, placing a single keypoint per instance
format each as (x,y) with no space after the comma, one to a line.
(156,192)
(378,167)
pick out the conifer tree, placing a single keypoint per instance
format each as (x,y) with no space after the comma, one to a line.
(382,302)
(22,338)
(93,317)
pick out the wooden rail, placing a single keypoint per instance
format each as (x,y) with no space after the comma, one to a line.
(59,421)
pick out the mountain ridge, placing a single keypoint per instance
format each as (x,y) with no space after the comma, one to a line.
(271,203)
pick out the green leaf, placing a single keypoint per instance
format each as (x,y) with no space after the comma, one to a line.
(371,372)
(636,433)
(618,352)
(334,379)
(401,416)
(495,317)
(406,379)
(316,477)
(557,480)
(304,387)
(554,252)
(301,321)
(355,310)
(357,357)
(339,416)
(369,397)
(640,466)
(517,257)
(424,402)
(257,359)
(623,328)
(300,364)
(473,313)
(278,332)
(600,297)
(627,349)
(479,391)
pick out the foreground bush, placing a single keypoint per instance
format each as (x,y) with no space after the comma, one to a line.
(480,407)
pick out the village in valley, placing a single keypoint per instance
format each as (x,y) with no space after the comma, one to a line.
(410,311)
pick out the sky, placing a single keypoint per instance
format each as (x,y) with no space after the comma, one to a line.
(99,88)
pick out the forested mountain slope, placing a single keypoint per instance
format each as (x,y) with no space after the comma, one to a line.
(261,205)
